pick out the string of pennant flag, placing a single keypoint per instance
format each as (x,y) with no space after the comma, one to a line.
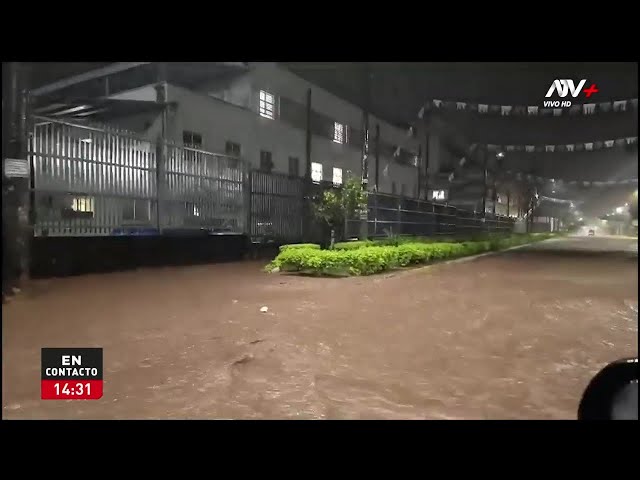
(559,182)
(570,147)
(555,108)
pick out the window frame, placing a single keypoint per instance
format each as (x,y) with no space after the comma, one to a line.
(334,176)
(231,143)
(264,104)
(339,134)
(270,156)
(314,178)
(297,166)
(192,144)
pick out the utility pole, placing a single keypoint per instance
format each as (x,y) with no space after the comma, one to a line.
(306,185)
(16,178)
(484,179)
(364,217)
(377,146)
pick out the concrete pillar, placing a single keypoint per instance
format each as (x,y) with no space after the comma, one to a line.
(17,216)
(433,152)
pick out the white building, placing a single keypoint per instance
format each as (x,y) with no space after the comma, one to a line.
(261,115)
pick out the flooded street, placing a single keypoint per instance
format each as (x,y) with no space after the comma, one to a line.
(516,335)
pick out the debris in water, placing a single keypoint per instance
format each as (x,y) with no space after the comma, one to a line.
(256,341)
(243,359)
(264,309)
(234,300)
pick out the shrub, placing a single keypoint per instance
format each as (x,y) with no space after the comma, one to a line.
(354,244)
(367,257)
(313,246)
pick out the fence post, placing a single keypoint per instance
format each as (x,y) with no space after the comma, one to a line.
(399,217)
(248,188)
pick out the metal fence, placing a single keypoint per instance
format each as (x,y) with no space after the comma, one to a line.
(97,180)
(90,180)
(396,215)
(277,203)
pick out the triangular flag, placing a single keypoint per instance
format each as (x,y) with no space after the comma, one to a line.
(608,143)
(461,105)
(421,113)
(570,148)
(620,106)
(589,108)
(510,148)
(462,161)
(604,106)
(482,108)
(532,110)
(588,146)
(437,103)
(549,148)
(530,148)
(451,176)
(505,109)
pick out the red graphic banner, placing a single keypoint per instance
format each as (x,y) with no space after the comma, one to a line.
(71,389)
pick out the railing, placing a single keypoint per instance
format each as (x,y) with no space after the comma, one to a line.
(96,180)
(391,214)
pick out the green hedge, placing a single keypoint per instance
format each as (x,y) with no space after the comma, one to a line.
(312,246)
(371,258)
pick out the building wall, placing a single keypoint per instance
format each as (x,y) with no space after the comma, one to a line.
(227,109)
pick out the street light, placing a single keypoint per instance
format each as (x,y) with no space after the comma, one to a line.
(619,209)
(580,219)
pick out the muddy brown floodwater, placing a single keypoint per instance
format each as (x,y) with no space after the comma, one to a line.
(511,336)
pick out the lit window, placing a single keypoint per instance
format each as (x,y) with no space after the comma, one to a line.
(339,132)
(193,209)
(267,104)
(337,176)
(437,195)
(82,204)
(316,172)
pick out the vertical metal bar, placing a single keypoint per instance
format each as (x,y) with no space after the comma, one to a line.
(377,146)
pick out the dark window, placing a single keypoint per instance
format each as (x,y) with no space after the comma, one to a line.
(402,189)
(232,149)
(191,139)
(393,188)
(266,164)
(136,210)
(294,166)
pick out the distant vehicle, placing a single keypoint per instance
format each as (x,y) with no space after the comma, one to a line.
(591,233)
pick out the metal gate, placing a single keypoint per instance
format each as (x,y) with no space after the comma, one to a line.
(98,180)
(276,206)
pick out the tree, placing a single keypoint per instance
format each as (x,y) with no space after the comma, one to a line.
(334,207)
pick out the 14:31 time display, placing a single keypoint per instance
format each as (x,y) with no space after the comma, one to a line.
(67,389)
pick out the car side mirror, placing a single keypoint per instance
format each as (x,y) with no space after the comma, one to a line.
(613,393)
